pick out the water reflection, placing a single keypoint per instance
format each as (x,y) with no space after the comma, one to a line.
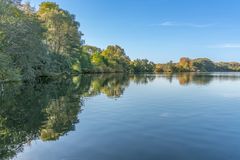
(49,110)
(200,78)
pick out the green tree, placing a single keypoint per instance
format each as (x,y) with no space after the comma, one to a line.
(118,61)
(63,35)
(63,39)
(21,41)
(99,62)
(143,66)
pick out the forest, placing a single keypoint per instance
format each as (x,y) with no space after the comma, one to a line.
(48,43)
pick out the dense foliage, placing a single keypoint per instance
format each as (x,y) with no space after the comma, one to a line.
(142,66)
(48,43)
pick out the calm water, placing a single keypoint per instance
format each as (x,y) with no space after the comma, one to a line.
(123,117)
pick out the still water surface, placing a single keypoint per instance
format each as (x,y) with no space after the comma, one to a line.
(123,117)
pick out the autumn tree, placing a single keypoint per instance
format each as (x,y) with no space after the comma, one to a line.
(184,64)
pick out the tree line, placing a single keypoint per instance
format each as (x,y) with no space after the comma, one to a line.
(48,43)
(198,65)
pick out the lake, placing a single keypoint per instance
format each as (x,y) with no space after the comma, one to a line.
(189,116)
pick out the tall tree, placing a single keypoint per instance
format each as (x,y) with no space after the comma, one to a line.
(21,40)
(63,35)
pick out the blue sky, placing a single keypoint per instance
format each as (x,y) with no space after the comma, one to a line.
(161,30)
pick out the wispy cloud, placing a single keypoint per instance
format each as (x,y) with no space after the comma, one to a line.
(226,45)
(176,24)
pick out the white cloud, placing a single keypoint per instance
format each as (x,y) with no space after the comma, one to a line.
(175,24)
(226,45)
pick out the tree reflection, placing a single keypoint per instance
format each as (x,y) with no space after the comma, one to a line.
(143,78)
(112,85)
(49,110)
(194,78)
(61,117)
(20,117)
(204,78)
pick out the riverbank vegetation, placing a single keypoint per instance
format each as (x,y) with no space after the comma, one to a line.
(198,65)
(48,43)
